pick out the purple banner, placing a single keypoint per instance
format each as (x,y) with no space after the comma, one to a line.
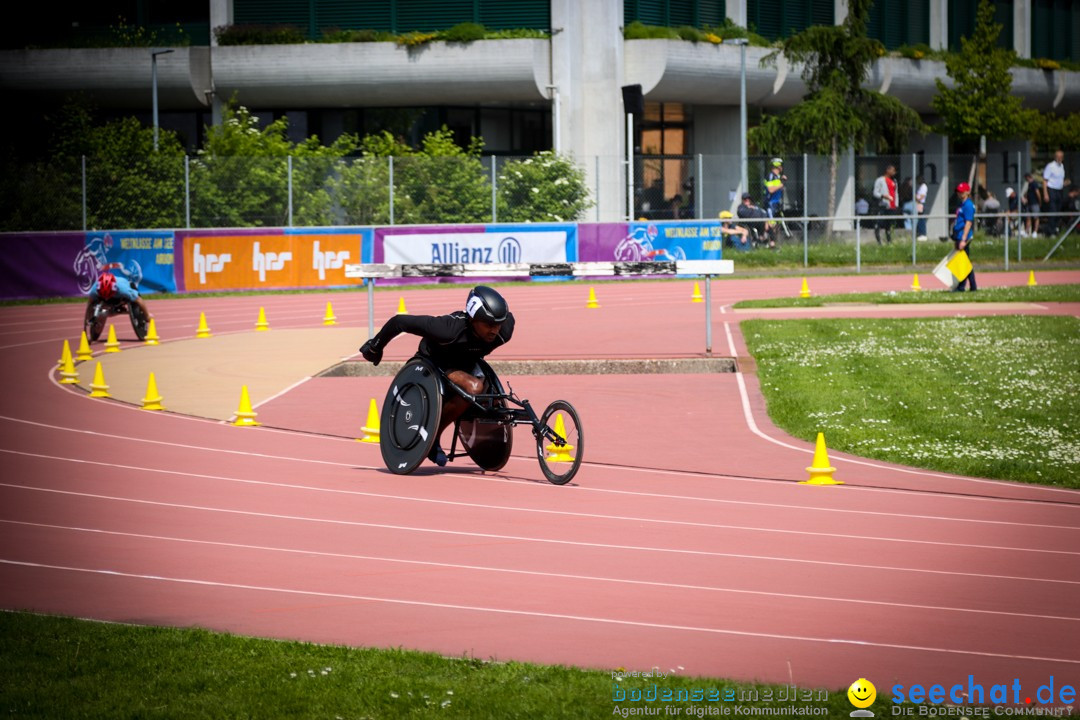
(597,242)
(34,265)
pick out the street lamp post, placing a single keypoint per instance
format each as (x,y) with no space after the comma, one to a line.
(153,83)
(742,42)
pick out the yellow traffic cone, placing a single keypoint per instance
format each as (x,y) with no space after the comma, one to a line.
(84,352)
(152,401)
(696,297)
(805,291)
(371,427)
(98,388)
(820,471)
(915,283)
(1031,279)
(329,318)
(261,323)
(112,345)
(558,453)
(203,331)
(592,304)
(151,334)
(68,376)
(401,306)
(65,355)
(245,416)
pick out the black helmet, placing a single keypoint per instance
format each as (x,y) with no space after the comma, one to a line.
(486,304)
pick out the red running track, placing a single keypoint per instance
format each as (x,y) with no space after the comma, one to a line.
(684,543)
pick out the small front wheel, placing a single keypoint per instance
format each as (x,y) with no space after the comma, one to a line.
(560,442)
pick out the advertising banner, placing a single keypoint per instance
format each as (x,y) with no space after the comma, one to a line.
(68,264)
(494,244)
(645,241)
(270,258)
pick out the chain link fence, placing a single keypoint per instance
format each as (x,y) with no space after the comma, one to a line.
(811,200)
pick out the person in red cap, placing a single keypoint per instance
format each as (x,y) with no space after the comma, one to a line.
(964,229)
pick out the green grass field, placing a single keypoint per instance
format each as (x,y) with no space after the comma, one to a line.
(994,397)
(65,668)
(935,294)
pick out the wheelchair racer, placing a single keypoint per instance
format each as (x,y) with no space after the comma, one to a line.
(109,286)
(453,343)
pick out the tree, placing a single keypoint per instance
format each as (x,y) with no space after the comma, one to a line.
(979,103)
(240,177)
(837,113)
(543,188)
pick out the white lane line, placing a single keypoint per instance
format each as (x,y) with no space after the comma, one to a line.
(536,614)
(275,396)
(730,340)
(544,487)
(518,538)
(748,414)
(539,511)
(538,573)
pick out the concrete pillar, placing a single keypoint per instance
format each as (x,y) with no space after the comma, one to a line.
(736,12)
(221,13)
(1022,28)
(840,10)
(939,24)
(716,137)
(933,164)
(587,68)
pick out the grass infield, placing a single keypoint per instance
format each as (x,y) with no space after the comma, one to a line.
(992,397)
(67,668)
(1038,293)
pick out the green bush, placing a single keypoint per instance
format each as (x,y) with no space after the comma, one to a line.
(465,32)
(336,35)
(259,35)
(543,188)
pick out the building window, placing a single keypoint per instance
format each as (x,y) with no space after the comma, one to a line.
(673,13)
(962,15)
(777,19)
(900,22)
(1055,30)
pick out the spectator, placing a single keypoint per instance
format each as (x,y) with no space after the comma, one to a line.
(774,188)
(990,206)
(886,197)
(760,231)
(736,236)
(676,206)
(921,193)
(1054,194)
(689,209)
(907,202)
(1012,209)
(1032,200)
(862,207)
(964,230)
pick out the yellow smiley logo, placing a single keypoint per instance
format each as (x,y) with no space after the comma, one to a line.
(862,693)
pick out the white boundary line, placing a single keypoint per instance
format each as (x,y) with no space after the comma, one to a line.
(386,526)
(537,614)
(536,573)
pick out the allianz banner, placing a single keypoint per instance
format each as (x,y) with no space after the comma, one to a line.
(271,258)
(472,244)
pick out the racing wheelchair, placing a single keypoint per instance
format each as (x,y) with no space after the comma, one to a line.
(98,312)
(413,406)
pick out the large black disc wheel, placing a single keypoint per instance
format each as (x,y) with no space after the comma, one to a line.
(560,442)
(96,315)
(139,322)
(410,417)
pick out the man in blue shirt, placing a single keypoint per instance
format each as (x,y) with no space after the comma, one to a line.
(964,230)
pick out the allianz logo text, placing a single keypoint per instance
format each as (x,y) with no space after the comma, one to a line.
(327,260)
(270,261)
(208,263)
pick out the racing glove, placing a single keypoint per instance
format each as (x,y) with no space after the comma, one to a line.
(372,351)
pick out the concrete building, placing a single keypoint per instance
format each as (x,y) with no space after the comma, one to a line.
(562,91)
